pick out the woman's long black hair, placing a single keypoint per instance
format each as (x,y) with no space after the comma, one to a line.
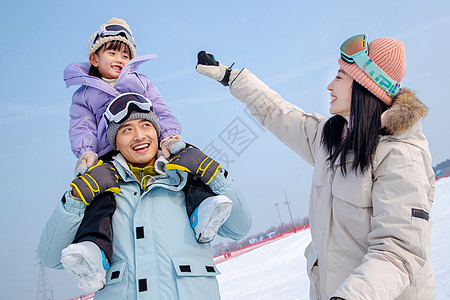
(363,135)
(113,45)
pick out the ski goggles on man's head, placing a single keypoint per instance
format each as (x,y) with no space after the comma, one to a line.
(112,30)
(356,50)
(121,107)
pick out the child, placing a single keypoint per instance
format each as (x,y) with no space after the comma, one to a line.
(111,71)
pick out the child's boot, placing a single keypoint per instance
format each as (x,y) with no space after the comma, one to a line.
(209,216)
(87,262)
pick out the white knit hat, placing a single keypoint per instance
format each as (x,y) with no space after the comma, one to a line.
(101,40)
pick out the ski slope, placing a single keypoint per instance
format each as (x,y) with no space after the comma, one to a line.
(278,270)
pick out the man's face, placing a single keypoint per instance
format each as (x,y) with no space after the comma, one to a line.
(138,142)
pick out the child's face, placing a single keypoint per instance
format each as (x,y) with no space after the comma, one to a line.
(110,62)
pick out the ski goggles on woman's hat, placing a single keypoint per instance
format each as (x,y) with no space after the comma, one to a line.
(356,50)
(112,30)
(120,108)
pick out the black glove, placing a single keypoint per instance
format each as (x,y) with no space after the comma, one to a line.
(194,161)
(100,178)
(209,66)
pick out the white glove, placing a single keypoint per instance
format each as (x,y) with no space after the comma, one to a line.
(207,65)
(86,160)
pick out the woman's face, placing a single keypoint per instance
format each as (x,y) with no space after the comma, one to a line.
(341,94)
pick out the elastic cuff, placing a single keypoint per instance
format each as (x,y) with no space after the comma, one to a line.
(105,261)
(168,133)
(85,149)
(73,205)
(235,74)
(176,137)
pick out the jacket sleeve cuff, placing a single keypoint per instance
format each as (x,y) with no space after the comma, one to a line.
(168,133)
(80,151)
(72,204)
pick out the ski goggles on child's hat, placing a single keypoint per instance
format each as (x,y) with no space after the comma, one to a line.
(356,50)
(120,108)
(112,30)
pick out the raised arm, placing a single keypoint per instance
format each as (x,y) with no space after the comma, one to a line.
(298,130)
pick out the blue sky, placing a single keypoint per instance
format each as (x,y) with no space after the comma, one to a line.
(291,45)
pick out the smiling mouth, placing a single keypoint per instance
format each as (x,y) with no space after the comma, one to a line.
(118,68)
(333,98)
(141,147)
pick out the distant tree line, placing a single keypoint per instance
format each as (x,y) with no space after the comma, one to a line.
(444,167)
(233,245)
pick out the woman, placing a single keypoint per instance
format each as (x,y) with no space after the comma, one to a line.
(373,184)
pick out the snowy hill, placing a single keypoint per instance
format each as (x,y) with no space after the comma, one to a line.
(278,270)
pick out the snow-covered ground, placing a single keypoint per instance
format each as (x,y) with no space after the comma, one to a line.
(440,238)
(277,270)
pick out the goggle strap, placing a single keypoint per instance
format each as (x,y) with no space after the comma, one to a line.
(389,85)
(125,112)
(103,30)
(349,58)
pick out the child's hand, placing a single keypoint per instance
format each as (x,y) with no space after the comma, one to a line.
(86,160)
(171,145)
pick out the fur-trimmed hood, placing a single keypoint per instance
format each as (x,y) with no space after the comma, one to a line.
(406,110)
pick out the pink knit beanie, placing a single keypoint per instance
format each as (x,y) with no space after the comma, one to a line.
(389,55)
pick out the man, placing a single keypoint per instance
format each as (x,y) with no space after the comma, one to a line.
(156,254)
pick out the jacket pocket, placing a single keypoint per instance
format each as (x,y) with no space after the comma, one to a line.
(116,282)
(352,205)
(354,189)
(196,277)
(115,272)
(420,227)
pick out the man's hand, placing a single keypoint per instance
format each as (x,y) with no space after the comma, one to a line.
(86,160)
(209,66)
(194,161)
(100,178)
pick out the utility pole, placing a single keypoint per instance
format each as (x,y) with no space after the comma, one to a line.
(44,292)
(287,203)
(281,222)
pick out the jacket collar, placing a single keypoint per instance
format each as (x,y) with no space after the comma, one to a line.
(405,114)
(77,74)
(171,179)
